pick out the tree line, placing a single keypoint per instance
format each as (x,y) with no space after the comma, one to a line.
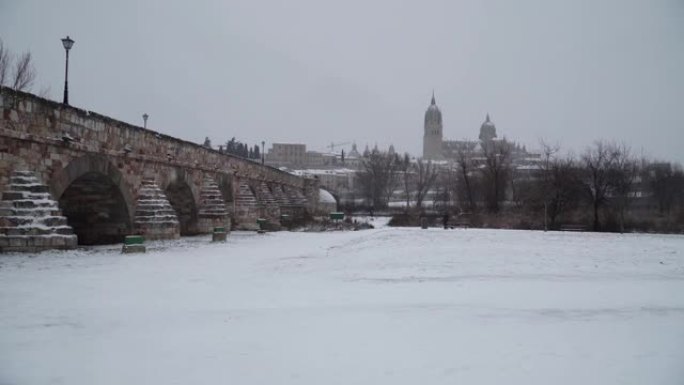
(237,148)
(606,188)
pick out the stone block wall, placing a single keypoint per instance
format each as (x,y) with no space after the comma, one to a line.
(154,216)
(45,136)
(81,153)
(30,219)
(268,206)
(213,211)
(246,208)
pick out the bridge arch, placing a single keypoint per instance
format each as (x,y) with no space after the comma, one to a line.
(181,191)
(95,198)
(328,200)
(225,183)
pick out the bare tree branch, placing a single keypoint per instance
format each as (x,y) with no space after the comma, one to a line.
(623,175)
(24,73)
(4,63)
(406,173)
(598,161)
(466,165)
(496,171)
(426,174)
(378,178)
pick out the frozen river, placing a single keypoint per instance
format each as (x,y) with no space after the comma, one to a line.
(383,306)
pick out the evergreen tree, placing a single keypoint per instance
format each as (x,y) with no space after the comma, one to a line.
(231,146)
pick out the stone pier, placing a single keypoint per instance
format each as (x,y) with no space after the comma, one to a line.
(30,220)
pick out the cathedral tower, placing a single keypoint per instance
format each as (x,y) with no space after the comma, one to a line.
(432,136)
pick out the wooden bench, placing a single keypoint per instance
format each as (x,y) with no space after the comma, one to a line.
(459,221)
(570,227)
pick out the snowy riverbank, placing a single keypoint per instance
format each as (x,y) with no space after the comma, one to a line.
(382,306)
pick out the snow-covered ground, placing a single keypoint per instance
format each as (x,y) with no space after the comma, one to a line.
(383,306)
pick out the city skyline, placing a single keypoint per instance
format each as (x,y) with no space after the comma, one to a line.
(294,73)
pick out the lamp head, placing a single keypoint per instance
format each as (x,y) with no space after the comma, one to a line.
(67,43)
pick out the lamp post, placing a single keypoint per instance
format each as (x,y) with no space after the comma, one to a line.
(263,151)
(145,116)
(67,43)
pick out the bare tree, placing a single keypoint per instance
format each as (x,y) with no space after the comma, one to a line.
(547,173)
(426,174)
(664,180)
(466,165)
(679,192)
(377,177)
(623,174)
(18,74)
(5,62)
(561,189)
(519,183)
(406,171)
(496,171)
(393,167)
(445,187)
(24,74)
(598,162)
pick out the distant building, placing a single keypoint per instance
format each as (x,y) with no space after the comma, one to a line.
(353,159)
(435,147)
(487,130)
(286,155)
(432,136)
(295,156)
(354,153)
(340,180)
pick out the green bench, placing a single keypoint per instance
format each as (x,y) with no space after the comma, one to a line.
(262,224)
(219,234)
(134,244)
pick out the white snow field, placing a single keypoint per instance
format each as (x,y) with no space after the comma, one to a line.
(383,306)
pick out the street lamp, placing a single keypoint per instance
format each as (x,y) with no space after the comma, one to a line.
(145,116)
(67,43)
(263,150)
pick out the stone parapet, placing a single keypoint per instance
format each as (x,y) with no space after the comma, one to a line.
(37,122)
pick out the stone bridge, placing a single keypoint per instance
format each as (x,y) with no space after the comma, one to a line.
(72,176)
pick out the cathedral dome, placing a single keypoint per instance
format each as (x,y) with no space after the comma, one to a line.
(487,130)
(433,114)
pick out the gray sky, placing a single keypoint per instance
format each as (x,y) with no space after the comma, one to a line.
(315,72)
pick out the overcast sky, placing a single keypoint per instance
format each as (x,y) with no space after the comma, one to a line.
(315,72)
